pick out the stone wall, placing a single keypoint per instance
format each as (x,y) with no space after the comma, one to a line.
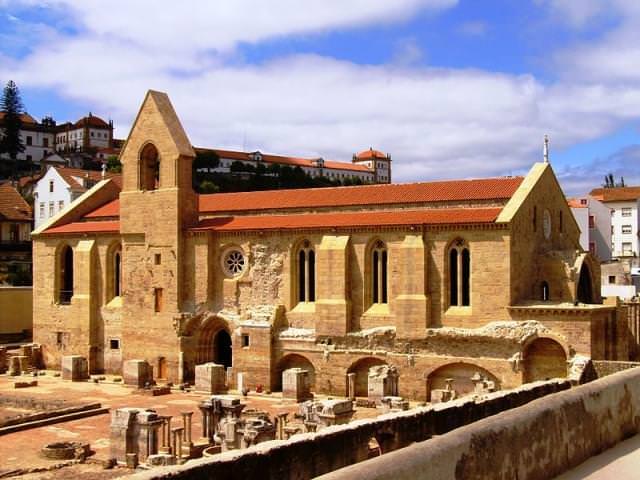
(16,305)
(535,442)
(309,455)
(604,368)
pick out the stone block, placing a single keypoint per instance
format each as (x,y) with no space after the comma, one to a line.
(295,384)
(14,366)
(75,368)
(210,378)
(395,404)
(124,433)
(161,460)
(3,360)
(137,373)
(382,382)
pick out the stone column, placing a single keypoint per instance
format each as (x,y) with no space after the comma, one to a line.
(204,411)
(351,382)
(186,422)
(177,442)
(166,427)
(181,367)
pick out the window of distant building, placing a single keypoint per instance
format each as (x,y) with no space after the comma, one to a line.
(592,248)
(50,186)
(459,274)
(45,142)
(29,158)
(626,212)
(583,201)
(60,205)
(306,272)
(626,228)
(29,140)
(51,209)
(592,221)
(41,209)
(626,248)
(612,279)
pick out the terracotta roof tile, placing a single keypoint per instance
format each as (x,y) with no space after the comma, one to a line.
(350,219)
(444,191)
(86,227)
(574,203)
(110,209)
(371,153)
(283,160)
(12,206)
(70,174)
(91,121)
(619,194)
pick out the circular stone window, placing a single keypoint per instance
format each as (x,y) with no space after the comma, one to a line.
(233,262)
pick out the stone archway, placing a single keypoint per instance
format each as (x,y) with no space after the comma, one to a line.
(585,287)
(544,358)
(361,369)
(214,343)
(293,360)
(461,375)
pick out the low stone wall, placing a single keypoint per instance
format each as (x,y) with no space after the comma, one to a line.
(16,305)
(604,368)
(309,455)
(537,441)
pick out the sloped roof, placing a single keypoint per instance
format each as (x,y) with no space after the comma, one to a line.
(91,121)
(389,194)
(618,194)
(284,160)
(12,206)
(575,203)
(24,117)
(371,154)
(435,216)
(70,174)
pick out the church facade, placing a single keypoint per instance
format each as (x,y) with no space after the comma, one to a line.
(441,279)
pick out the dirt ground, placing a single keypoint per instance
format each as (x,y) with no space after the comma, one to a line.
(21,450)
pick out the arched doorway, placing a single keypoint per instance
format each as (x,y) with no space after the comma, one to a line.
(222,354)
(293,361)
(461,375)
(544,358)
(213,342)
(585,289)
(361,369)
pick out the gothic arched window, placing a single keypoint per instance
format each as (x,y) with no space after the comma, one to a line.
(65,269)
(379,275)
(459,274)
(149,168)
(306,273)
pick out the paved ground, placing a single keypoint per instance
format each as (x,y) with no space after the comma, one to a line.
(621,462)
(20,450)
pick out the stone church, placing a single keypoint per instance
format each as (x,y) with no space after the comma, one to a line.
(443,280)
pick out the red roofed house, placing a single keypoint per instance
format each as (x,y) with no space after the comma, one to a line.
(449,279)
(16,220)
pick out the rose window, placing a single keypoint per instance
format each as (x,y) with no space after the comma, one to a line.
(234,263)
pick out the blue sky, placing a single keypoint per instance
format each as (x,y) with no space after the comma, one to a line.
(450,88)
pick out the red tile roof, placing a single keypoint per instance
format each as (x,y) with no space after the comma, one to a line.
(12,206)
(95,176)
(371,153)
(574,203)
(91,121)
(110,209)
(283,160)
(619,194)
(86,227)
(429,192)
(24,117)
(434,216)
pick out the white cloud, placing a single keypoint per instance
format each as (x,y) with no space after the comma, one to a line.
(436,123)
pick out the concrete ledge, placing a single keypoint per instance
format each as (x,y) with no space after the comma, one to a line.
(537,441)
(312,454)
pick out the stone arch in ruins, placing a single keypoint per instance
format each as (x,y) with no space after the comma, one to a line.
(461,375)
(544,358)
(361,369)
(293,360)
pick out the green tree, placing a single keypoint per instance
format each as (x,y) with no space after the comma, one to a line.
(113,164)
(11,105)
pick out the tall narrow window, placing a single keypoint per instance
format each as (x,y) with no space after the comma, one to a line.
(157,300)
(149,168)
(459,275)
(66,275)
(306,273)
(117,273)
(379,273)
(535,218)
(545,291)
(560,223)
